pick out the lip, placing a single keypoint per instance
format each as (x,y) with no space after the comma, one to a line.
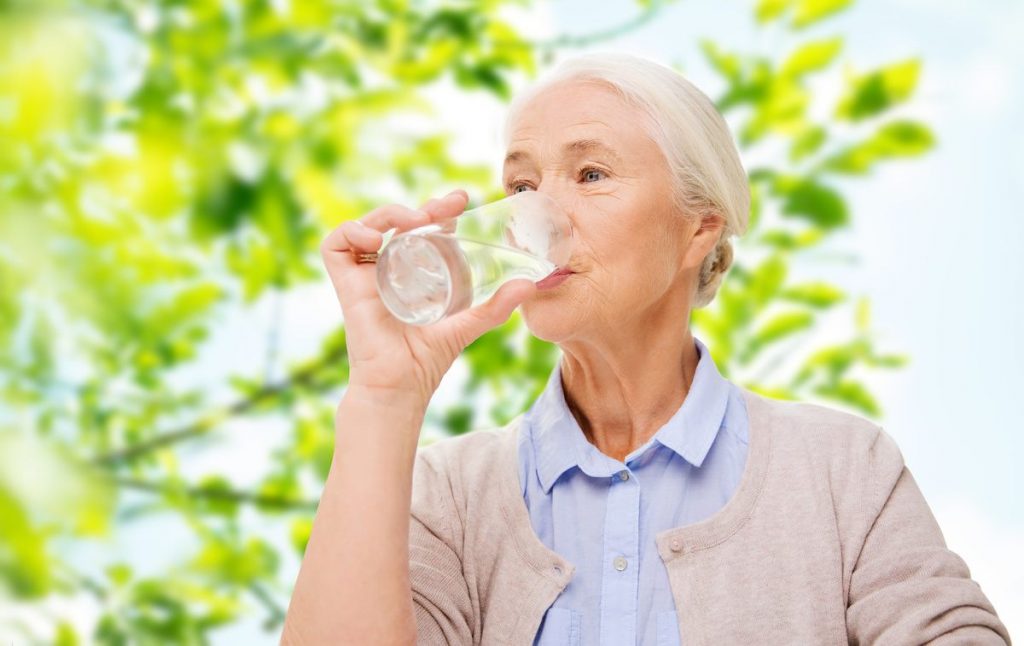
(554,279)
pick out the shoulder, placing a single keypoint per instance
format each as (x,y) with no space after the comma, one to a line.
(472,462)
(484,446)
(843,444)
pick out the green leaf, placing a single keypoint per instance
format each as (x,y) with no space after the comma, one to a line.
(877,91)
(119,574)
(26,569)
(852,393)
(834,360)
(166,610)
(766,280)
(807,142)
(218,501)
(790,241)
(863,314)
(485,76)
(781,108)
(66,635)
(736,307)
(283,485)
(812,201)
(768,10)
(774,392)
(241,564)
(812,56)
(889,360)
(815,294)
(728,65)
(811,11)
(779,239)
(299,534)
(223,206)
(458,419)
(893,140)
(781,326)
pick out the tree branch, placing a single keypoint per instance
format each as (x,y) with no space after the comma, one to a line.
(217,493)
(582,40)
(202,426)
(569,40)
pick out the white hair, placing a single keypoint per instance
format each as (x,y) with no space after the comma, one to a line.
(708,177)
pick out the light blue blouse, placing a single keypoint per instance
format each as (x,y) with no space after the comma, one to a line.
(602,514)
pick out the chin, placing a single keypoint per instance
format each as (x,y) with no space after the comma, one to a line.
(549,319)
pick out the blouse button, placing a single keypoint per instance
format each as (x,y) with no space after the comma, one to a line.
(620,563)
(676,545)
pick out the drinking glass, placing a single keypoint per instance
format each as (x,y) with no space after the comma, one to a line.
(431,272)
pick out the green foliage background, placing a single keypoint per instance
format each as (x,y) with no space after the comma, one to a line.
(163,164)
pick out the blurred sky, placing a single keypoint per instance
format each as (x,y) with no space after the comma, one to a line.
(935,240)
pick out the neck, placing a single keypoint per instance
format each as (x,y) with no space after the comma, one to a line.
(621,395)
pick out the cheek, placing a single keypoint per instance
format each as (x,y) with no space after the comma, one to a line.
(630,246)
(631,239)
(646,265)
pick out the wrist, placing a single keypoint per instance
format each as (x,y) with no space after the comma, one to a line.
(400,400)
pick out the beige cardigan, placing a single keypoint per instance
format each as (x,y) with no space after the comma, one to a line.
(827,540)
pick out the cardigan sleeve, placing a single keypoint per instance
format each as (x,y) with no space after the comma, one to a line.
(440,594)
(906,586)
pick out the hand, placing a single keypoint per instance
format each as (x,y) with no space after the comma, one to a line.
(389,359)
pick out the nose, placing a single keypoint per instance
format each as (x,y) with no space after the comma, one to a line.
(560,197)
(563,201)
(563,231)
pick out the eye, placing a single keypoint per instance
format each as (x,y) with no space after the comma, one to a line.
(513,187)
(591,174)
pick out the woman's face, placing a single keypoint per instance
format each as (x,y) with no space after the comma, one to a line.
(634,256)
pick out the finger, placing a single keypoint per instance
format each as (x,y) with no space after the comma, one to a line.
(365,235)
(471,324)
(352,283)
(448,206)
(395,216)
(351,236)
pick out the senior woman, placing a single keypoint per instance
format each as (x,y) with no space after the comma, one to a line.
(643,498)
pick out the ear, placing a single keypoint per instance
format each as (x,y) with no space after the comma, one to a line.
(712,225)
(707,235)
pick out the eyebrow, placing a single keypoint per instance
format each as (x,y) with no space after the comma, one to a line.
(573,147)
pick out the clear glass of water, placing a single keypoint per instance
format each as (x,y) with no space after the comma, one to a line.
(434,271)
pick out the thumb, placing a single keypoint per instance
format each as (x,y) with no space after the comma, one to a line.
(471,324)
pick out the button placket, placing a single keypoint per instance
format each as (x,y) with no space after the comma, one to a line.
(620,581)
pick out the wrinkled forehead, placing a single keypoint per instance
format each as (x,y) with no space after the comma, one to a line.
(558,102)
(573,117)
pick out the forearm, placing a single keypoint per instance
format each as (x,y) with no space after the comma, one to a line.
(353,586)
